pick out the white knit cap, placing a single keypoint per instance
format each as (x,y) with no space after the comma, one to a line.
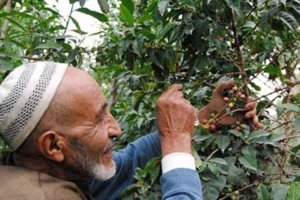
(25,95)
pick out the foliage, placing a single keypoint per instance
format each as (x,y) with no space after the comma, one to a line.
(34,32)
(149,45)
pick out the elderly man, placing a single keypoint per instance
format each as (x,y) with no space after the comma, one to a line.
(56,120)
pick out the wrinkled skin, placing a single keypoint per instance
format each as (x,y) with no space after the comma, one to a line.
(175,119)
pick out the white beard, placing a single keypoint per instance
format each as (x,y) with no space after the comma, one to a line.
(103,173)
(87,165)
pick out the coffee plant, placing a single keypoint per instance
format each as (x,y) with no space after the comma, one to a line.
(147,45)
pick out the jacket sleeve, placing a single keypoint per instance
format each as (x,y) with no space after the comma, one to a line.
(176,184)
(181,184)
(136,154)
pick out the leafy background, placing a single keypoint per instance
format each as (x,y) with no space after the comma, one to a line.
(148,45)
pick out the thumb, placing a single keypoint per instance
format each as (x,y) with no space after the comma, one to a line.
(223,86)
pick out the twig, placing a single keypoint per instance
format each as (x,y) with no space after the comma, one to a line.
(228,74)
(268,104)
(211,155)
(256,182)
(253,29)
(68,21)
(251,11)
(272,58)
(121,91)
(285,123)
(291,136)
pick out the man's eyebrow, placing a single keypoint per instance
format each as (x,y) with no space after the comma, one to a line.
(103,107)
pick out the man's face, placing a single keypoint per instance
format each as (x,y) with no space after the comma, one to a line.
(89,125)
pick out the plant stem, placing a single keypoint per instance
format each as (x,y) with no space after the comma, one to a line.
(256,182)
(211,155)
(68,21)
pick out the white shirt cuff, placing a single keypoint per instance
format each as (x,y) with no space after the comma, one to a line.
(177,160)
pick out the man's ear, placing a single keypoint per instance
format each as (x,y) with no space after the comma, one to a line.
(51,145)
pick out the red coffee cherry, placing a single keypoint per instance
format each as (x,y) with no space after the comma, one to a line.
(235,88)
(226,99)
(238,129)
(212,127)
(204,121)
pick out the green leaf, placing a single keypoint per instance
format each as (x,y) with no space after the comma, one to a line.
(17,24)
(201,134)
(248,162)
(94,14)
(162,6)
(17,43)
(213,168)
(201,93)
(49,45)
(16,13)
(262,192)
(219,161)
(189,4)
(129,190)
(103,6)
(196,157)
(126,16)
(296,123)
(294,191)
(171,58)
(5,66)
(148,34)
(73,1)
(249,24)
(154,174)
(278,191)
(236,133)
(223,141)
(78,29)
(291,107)
(272,70)
(236,175)
(289,20)
(213,187)
(164,31)
(82,2)
(233,4)
(258,134)
(129,4)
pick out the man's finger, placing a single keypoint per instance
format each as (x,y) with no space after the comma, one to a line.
(173,88)
(250,114)
(257,123)
(251,99)
(223,86)
(177,95)
(250,105)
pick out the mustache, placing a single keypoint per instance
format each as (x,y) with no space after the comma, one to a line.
(108,147)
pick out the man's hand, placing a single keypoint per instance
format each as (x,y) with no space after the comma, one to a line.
(175,120)
(217,105)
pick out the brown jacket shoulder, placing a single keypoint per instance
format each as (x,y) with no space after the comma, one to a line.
(20,183)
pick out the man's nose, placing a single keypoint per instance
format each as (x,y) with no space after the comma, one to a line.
(114,129)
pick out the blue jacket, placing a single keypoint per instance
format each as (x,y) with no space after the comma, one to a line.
(176,184)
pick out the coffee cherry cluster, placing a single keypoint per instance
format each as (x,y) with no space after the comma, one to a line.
(235,101)
(209,124)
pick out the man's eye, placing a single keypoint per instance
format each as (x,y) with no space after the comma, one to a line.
(103,117)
